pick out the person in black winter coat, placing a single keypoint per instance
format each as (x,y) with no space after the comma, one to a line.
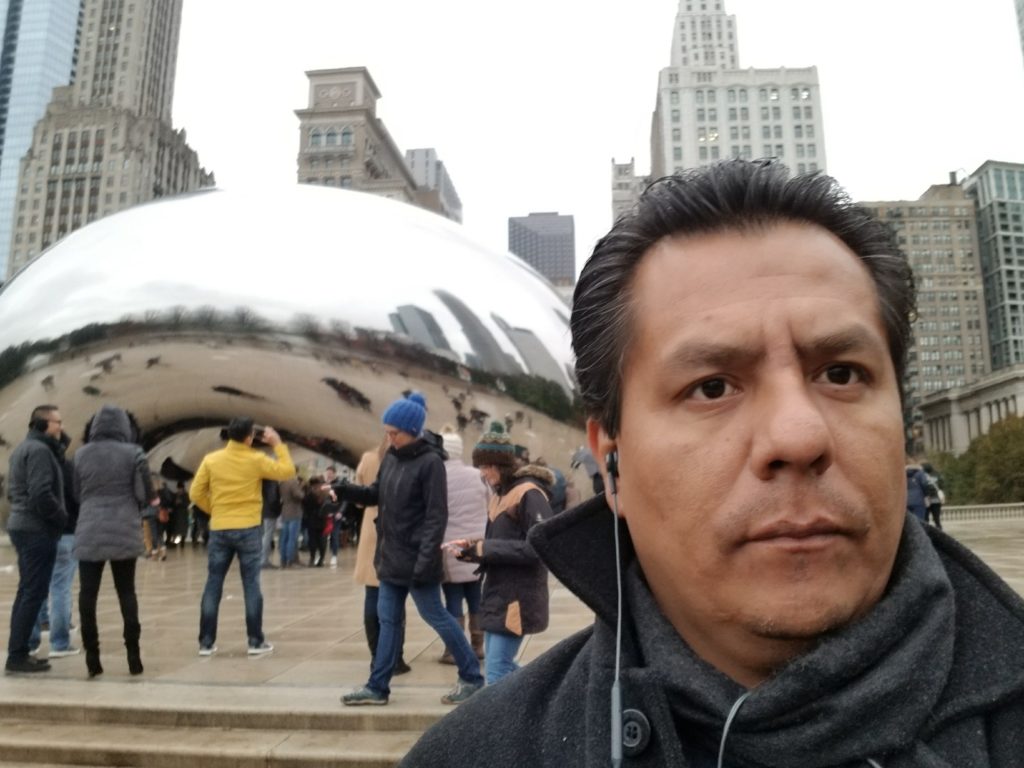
(515,591)
(411,494)
(38,517)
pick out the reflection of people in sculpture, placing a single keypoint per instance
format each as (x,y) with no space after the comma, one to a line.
(761,596)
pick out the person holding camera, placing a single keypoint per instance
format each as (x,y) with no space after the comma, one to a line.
(229,485)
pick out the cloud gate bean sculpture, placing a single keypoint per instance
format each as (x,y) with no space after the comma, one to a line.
(308,308)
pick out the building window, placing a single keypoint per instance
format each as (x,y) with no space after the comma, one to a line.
(808,112)
(331,139)
(765,113)
(677,134)
(346,137)
(675,115)
(315,138)
(677,153)
(798,131)
(777,131)
(673,97)
(712,114)
(766,131)
(700,115)
(744,112)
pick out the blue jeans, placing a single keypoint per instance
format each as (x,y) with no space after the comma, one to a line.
(37,553)
(456,592)
(500,649)
(390,611)
(223,546)
(59,617)
(288,544)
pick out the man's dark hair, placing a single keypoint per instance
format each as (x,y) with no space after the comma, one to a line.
(240,428)
(734,195)
(39,417)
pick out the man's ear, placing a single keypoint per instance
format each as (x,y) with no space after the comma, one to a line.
(600,446)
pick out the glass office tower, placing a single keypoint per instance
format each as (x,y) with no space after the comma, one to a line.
(37,52)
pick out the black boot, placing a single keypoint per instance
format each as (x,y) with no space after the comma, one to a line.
(92,662)
(134,660)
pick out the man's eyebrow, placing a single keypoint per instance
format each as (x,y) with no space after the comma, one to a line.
(710,354)
(855,338)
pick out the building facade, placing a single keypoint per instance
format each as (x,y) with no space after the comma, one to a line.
(343,143)
(938,234)
(997,189)
(955,417)
(547,242)
(435,190)
(106,141)
(709,109)
(38,51)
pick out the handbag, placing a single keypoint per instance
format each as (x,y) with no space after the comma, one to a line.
(164,515)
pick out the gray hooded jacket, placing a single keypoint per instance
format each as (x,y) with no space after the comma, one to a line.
(112,481)
(930,678)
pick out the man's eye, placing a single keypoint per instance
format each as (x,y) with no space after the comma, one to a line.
(711,389)
(843,374)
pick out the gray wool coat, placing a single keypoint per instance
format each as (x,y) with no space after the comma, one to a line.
(112,482)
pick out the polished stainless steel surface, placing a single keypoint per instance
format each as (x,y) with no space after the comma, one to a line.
(307,307)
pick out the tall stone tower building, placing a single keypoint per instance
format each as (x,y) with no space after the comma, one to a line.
(343,143)
(106,141)
(708,109)
(38,51)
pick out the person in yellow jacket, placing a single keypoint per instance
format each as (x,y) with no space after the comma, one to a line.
(228,487)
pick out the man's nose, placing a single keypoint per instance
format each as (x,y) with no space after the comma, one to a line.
(791,429)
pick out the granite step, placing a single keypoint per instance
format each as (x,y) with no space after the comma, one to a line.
(36,742)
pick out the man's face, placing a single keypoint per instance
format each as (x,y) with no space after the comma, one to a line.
(761,446)
(330,475)
(54,423)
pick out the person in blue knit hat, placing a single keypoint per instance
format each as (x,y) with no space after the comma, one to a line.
(411,494)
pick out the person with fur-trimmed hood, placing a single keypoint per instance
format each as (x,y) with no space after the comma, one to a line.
(515,591)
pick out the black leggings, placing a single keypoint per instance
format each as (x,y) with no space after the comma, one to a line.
(90,574)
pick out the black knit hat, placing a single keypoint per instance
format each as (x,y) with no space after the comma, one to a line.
(495,449)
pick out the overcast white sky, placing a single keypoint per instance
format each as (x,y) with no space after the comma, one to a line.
(527,102)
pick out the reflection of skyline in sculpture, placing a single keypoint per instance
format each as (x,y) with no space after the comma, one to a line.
(538,360)
(420,325)
(487,353)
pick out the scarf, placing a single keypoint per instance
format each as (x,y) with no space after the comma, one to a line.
(865,692)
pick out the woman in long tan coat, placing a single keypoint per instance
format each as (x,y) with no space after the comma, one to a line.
(364,573)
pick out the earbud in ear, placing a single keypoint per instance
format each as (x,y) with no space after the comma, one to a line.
(611,462)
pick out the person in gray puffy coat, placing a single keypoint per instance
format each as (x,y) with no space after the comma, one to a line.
(467,519)
(112,482)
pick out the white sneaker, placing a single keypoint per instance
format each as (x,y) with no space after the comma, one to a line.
(207,650)
(69,651)
(262,648)
(334,561)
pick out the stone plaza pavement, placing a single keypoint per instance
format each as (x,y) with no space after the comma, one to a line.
(277,710)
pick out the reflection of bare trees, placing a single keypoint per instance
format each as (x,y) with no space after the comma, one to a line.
(348,393)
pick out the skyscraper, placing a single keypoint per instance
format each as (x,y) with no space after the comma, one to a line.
(708,109)
(106,140)
(938,233)
(1020,23)
(547,242)
(38,51)
(998,190)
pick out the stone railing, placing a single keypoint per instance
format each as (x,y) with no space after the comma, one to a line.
(983,512)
